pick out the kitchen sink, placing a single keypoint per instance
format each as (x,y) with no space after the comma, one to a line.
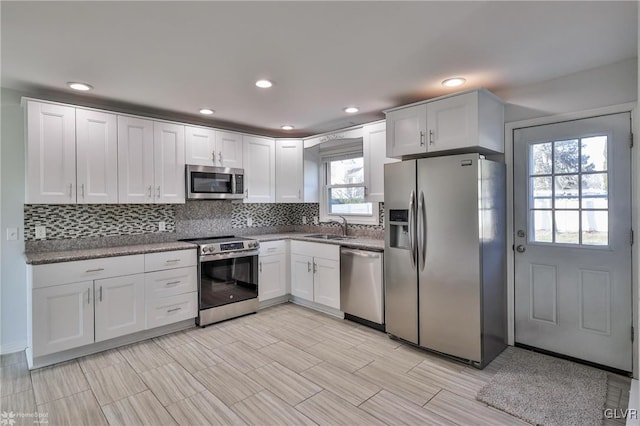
(329,237)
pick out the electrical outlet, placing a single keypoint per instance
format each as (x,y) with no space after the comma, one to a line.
(41,232)
(162,226)
(304,220)
(12,234)
(316,220)
(249,221)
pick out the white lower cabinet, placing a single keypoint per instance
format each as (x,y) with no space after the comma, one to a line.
(67,313)
(272,270)
(315,272)
(62,317)
(119,306)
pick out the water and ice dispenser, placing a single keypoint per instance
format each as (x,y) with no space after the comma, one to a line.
(399,228)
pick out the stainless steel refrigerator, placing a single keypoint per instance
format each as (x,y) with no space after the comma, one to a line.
(444,260)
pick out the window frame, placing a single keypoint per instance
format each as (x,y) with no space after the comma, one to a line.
(325,187)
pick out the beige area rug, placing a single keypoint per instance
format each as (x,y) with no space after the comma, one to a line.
(547,391)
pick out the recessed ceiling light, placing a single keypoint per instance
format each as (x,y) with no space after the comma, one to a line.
(286,127)
(264,84)
(206,111)
(454,82)
(83,87)
(351,110)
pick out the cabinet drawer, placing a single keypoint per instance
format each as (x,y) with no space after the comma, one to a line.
(169,260)
(168,310)
(325,251)
(86,270)
(170,282)
(273,247)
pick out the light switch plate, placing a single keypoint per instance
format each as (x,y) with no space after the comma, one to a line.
(41,232)
(12,234)
(316,220)
(304,220)
(249,221)
(162,226)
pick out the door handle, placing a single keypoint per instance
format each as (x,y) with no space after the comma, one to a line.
(315,267)
(220,157)
(260,267)
(173,310)
(82,190)
(95,270)
(521,248)
(70,190)
(421,138)
(421,232)
(101,293)
(149,191)
(430,137)
(158,191)
(412,231)
(213,156)
(308,266)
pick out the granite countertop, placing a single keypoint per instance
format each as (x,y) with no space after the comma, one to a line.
(73,255)
(357,243)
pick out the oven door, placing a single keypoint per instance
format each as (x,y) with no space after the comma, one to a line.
(228,278)
(205,182)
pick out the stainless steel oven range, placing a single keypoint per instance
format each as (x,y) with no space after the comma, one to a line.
(227,278)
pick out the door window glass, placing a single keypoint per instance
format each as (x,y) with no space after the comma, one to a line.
(568,191)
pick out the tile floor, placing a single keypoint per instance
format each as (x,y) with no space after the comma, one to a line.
(285,365)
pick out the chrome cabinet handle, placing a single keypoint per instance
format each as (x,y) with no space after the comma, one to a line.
(101,293)
(299,194)
(315,267)
(70,190)
(149,191)
(213,156)
(308,266)
(172,260)
(173,310)
(421,138)
(158,191)
(95,270)
(431,137)
(246,193)
(172,283)
(220,157)
(365,191)
(260,264)
(82,190)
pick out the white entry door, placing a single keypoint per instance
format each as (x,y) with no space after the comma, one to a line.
(572,217)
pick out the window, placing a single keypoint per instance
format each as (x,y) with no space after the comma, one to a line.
(568,187)
(344,190)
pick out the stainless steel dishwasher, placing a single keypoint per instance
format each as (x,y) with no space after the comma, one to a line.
(361,286)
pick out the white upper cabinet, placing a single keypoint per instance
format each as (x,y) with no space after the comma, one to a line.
(200,146)
(229,150)
(260,170)
(468,122)
(51,154)
(135,160)
(374,151)
(289,171)
(168,152)
(406,131)
(97,157)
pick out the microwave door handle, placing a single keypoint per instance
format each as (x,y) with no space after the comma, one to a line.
(233,184)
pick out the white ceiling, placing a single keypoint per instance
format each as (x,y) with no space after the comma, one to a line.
(180,56)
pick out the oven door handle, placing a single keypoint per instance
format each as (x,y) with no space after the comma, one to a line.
(232,255)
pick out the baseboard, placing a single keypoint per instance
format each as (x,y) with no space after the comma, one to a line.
(318,307)
(9,348)
(275,301)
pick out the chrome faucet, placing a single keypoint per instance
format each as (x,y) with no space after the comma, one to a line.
(343,224)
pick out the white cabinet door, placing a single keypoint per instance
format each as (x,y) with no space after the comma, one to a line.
(97,157)
(119,306)
(200,146)
(272,277)
(326,282)
(229,149)
(51,154)
(453,122)
(302,276)
(406,131)
(62,317)
(135,160)
(289,170)
(259,171)
(374,145)
(168,166)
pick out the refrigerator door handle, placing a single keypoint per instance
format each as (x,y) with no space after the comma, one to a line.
(412,231)
(422,222)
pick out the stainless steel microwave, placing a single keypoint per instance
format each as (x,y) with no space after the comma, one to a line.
(214,183)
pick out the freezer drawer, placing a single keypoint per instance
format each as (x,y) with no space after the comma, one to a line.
(361,284)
